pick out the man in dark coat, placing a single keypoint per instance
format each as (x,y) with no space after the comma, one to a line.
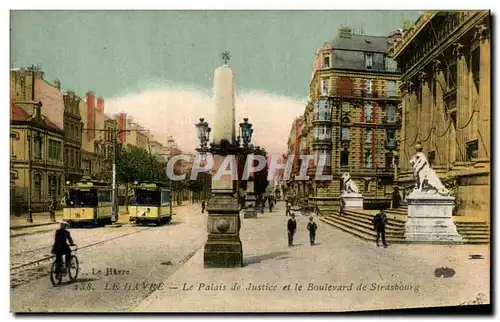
(203,206)
(379,222)
(60,246)
(312,227)
(52,211)
(291,226)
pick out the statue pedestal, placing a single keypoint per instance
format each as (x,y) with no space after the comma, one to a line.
(430,218)
(352,200)
(223,247)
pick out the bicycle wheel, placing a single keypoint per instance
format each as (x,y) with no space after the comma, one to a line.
(74,268)
(55,274)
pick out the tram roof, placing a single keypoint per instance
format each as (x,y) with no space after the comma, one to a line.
(151,185)
(87,184)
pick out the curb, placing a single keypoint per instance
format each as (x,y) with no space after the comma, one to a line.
(32,225)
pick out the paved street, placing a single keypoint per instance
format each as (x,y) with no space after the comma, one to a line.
(143,256)
(339,261)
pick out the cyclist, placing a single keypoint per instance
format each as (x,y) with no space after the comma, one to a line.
(61,247)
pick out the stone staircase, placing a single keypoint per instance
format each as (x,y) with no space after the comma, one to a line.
(359,224)
(474,232)
(326,203)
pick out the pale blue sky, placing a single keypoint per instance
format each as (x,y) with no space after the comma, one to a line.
(115,52)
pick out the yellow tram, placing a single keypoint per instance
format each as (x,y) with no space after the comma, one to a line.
(152,203)
(88,202)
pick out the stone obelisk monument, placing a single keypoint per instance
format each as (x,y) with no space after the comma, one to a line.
(223,247)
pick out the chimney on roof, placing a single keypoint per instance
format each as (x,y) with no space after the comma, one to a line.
(37,113)
(345,32)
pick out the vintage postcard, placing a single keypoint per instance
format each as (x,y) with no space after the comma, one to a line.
(249,161)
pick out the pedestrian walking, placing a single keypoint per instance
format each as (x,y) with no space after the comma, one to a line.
(312,227)
(52,211)
(291,227)
(203,206)
(379,223)
(288,208)
(342,207)
(271,204)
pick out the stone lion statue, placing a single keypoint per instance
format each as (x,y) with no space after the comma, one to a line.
(349,186)
(424,174)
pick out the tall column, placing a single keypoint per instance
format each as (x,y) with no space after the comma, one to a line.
(441,121)
(462,100)
(424,120)
(223,247)
(484,92)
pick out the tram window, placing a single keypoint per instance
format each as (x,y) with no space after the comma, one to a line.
(78,198)
(165,196)
(147,197)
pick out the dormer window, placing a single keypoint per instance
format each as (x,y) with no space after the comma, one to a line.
(369,61)
(326,61)
(368,86)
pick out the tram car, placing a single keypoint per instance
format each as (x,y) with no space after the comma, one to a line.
(151,204)
(88,202)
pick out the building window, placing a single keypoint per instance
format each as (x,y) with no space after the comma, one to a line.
(368,136)
(391,89)
(390,65)
(326,61)
(391,138)
(368,113)
(38,146)
(324,86)
(345,134)
(389,160)
(54,149)
(368,86)
(391,113)
(58,186)
(472,149)
(49,185)
(37,187)
(431,157)
(368,157)
(369,61)
(344,158)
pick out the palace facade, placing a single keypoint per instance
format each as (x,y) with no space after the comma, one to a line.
(445,85)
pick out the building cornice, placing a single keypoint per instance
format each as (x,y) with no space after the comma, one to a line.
(423,20)
(434,53)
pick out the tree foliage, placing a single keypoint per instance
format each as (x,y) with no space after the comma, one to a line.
(135,164)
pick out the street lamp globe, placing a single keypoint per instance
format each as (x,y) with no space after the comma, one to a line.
(201,130)
(246,131)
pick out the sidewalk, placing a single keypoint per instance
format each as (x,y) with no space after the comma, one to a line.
(339,260)
(39,219)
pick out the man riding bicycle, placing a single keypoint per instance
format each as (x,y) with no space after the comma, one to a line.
(61,247)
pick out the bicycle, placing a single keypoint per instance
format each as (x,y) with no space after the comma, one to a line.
(58,270)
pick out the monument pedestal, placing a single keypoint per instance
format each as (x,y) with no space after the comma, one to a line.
(430,218)
(223,247)
(352,200)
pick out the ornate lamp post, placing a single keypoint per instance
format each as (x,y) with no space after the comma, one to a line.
(395,203)
(223,247)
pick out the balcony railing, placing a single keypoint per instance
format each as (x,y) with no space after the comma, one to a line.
(357,93)
(360,171)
